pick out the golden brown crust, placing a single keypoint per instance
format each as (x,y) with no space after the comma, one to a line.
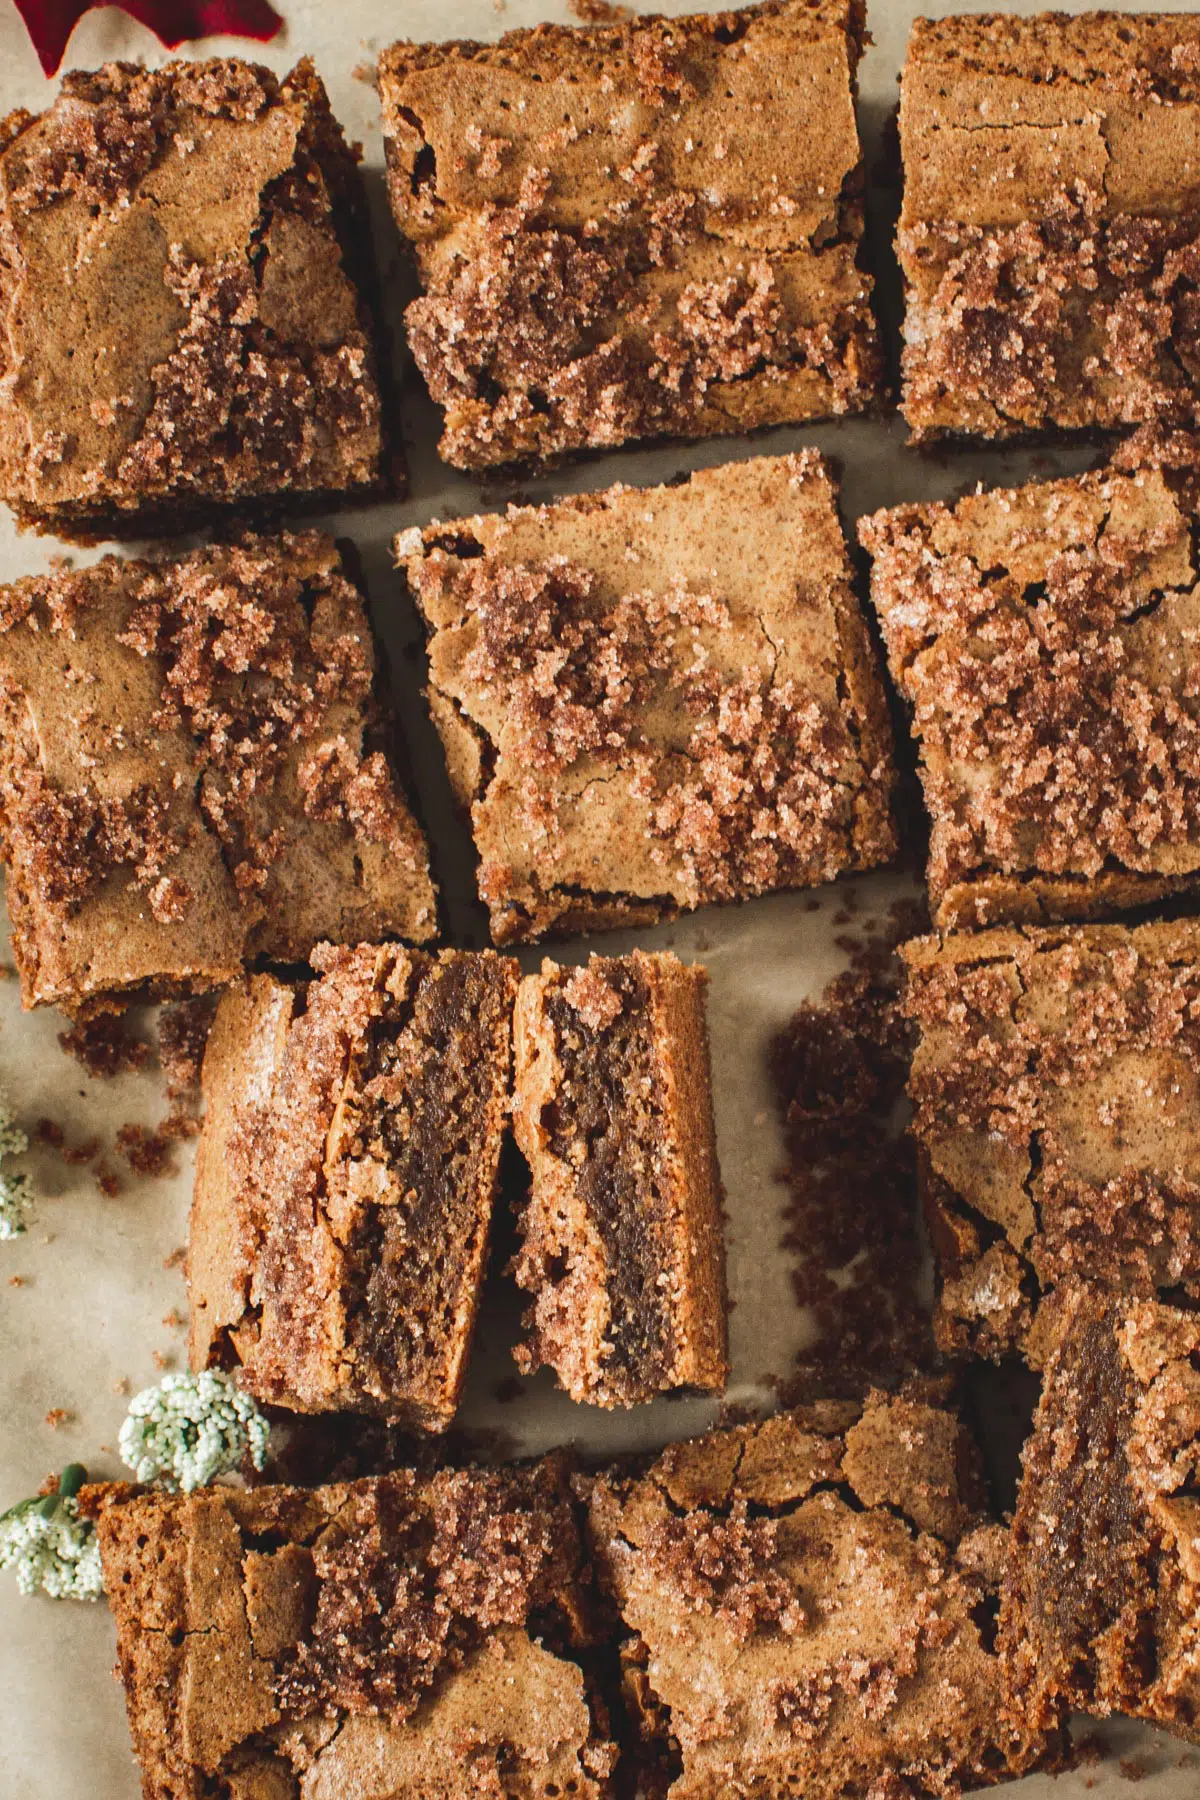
(400,1637)
(1056,1087)
(181,299)
(598,263)
(1051,222)
(804,1599)
(656,698)
(622,1246)
(191,772)
(1043,638)
(346,1178)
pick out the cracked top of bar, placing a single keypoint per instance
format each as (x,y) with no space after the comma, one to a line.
(1044,637)
(621,1237)
(1056,1093)
(656,698)
(808,1602)
(193,772)
(1050,231)
(181,300)
(1102,1591)
(634,229)
(404,1636)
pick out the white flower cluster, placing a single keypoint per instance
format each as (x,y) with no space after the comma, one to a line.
(47,1545)
(190,1429)
(16,1194)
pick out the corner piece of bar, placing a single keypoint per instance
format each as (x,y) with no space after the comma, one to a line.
(1050,231)
(809,1606)
(195,772)
(656,698)
(1043,637)
(1100,1609)
(1056,1095)
(622,1244)
(183,301)
(404,1638)
(634,230)
(346,1177)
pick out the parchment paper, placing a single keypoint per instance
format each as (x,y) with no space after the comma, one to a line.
(101,1294)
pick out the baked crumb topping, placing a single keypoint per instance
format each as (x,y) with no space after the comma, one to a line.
(187,731)
(601,267)
(210,217)
(1043,638)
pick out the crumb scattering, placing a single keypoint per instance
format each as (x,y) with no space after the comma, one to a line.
(839,1069)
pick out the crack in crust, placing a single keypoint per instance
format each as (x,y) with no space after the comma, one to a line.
(402,1634)
(1044,638)
(1050,234)
(597,266)
(833,1565)
(214,345)
(644,709)
(1055,1088)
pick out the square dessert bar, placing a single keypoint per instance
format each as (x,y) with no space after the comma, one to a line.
(654,698)
(346,1176)
(192,772)
(1100,1606)
(1051,222)
(1044,638)
(806,1602)
(636,229)
(405,1638)
(1056,1087)
(182,300)
(622,1243)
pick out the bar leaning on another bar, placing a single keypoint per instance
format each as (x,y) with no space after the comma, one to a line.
(1050,232)
(1100,1605)
(634,230)
(346,1177)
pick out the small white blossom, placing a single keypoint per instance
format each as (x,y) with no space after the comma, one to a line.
(190,1429)
(48,1546)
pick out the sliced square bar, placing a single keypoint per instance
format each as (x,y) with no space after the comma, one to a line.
(404,1638)
(1056,1088)
(346,1177)
(636,229)
(182,300)
(622,1244)
(1044,639)
(806,1602)
(655,698)
(193,772)
(1100,1607)
(1051,222)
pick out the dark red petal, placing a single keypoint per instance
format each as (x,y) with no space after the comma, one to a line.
(174,22)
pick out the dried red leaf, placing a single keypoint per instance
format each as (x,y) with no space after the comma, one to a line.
(174,22)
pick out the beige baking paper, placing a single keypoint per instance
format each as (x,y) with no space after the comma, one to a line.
(101,1297)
